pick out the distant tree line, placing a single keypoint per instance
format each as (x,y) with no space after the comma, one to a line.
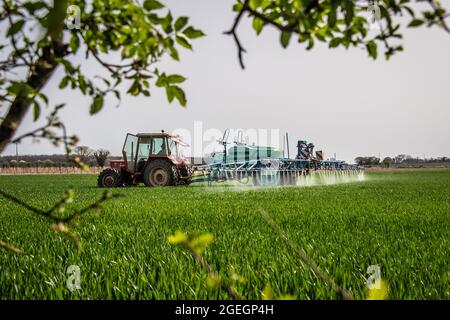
(88,156)
(367,161)
(399,159)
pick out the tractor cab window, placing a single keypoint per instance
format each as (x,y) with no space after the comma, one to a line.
(159,147)
(173,148)
(129,150)
(144,148)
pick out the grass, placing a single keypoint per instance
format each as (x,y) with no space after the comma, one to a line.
(399,221)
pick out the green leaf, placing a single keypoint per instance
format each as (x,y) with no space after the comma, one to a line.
(135,88)
(74,43)
(174,53)
(117,94)
(372,49)
(321,36)
(15,27)
(335,42)
(36,110)
(175,78)
(170,93)
(153,5)
(192,33)
(349,12)
(69,68)
(416,23)
(43,97)
(180,23)
(97,104)
(183,41)
(64,82)
(310,43)
(32,7)
(332,18)
(166,23)
(20,88)
(285,38)
(162,81)
(410,11)
(258,25)
(238,6)
(254,4)
(180,95)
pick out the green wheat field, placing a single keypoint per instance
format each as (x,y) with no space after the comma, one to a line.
(399,221)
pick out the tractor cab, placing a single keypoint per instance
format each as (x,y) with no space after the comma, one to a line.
(153,158)
(140,148)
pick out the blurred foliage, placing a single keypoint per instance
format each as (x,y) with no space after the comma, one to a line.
(196,243)
(341,23)
(137,34)
(380,292)
(63,218)
(269,294)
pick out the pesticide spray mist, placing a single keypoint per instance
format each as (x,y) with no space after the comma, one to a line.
(315,178)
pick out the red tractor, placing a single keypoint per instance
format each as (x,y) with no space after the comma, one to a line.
(152,158)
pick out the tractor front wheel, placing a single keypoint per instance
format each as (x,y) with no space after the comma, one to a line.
(159,173)
(108,178)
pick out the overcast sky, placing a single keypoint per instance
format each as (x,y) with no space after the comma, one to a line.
(341,100)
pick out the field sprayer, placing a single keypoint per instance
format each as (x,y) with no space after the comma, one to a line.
(268,166)
(155,160)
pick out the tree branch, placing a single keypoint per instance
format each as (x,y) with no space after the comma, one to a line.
(246,8)
(40,72)
(13,39)
(288,28)
(111,67)
(44,132)
(233,32)
(440,16)
(51,213)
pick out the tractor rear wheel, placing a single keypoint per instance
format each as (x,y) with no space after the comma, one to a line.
(159,173)
(109,178)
